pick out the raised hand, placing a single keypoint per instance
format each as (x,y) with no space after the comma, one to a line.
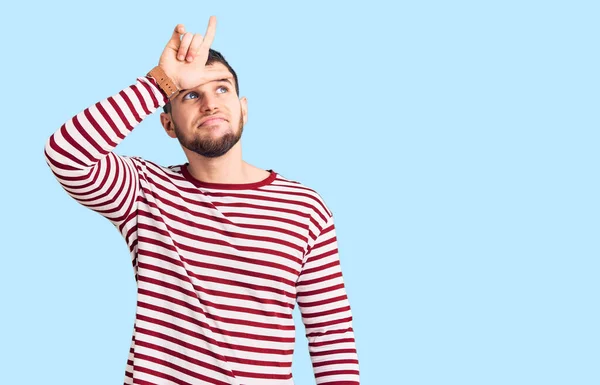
(184,59)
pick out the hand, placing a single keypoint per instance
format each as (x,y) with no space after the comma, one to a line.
(184,59)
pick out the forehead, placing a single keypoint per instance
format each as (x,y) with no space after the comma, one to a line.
(221,67)
(217,65)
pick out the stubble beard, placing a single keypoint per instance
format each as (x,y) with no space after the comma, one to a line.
(210,147)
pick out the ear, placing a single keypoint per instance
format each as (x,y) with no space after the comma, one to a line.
(244,105)
(167,123)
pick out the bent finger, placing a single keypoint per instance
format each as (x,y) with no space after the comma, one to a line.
(184,46)
(194,47)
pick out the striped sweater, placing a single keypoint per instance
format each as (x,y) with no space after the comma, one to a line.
(219,267)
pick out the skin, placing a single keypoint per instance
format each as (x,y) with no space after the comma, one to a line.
(207,119)
(206,112)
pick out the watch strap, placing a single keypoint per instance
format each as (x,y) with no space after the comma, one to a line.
(164,82)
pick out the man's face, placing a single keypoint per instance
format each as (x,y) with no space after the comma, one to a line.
(207,119)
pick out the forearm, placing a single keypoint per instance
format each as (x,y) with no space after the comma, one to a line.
(326,313)
(80,154)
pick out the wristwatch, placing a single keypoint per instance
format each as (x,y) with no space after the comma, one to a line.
(164,82)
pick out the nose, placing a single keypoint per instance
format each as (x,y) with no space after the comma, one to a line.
(209,103)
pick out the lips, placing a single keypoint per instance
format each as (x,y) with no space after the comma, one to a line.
(214,119)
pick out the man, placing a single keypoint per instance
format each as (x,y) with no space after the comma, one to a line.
(221,250)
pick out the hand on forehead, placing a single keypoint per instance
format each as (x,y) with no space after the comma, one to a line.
(216,72)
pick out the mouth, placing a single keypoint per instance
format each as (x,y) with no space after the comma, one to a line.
(212,120)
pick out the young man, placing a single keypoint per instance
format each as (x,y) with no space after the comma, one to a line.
(221,250)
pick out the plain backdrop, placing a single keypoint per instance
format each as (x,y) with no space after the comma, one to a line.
(456,143)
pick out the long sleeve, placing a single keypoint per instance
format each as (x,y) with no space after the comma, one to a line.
(80,152)
(323,303)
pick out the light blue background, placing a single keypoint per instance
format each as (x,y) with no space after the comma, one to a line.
(455,142)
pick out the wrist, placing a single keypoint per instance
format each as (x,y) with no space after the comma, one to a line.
(165,83)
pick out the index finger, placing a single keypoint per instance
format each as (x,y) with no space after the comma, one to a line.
(209,36)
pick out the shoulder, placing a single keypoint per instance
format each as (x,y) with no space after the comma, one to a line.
(307,195)
(150,168)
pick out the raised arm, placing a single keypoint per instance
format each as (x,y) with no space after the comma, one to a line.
(326,314)
(80,152)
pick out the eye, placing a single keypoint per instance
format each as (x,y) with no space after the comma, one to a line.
(191,95)
(222,89)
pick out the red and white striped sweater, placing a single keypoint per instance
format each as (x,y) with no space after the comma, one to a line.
(219,267)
